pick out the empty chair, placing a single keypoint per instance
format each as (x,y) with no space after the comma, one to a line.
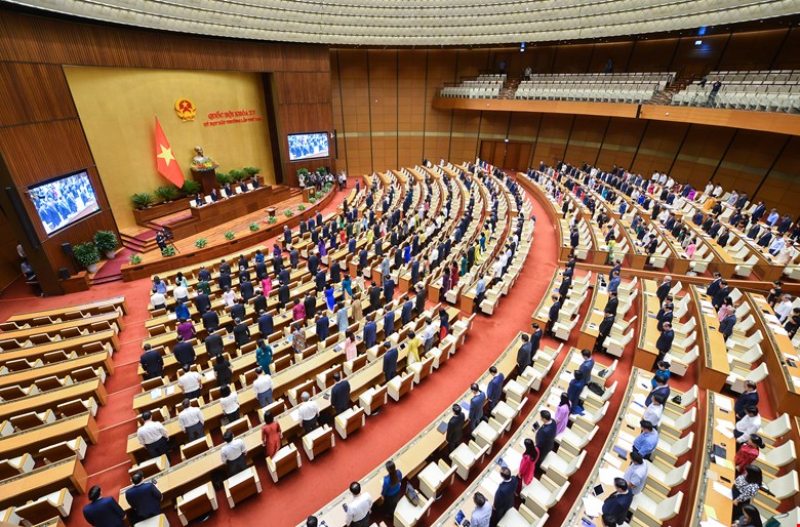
(522,517)
(349,421)
(542,494)
(318,441)
(373,399)
(781,488)
(664,477)
(771,461)
(737,380)
(406,514)
(241,486)
(560,465)
(196,503)
(465,456)
(680,362)
(285,460)
(774,430)
(615,346)
(655,508)
(52,505)
(487,432)
(400,385)
(435,477)
(670,449)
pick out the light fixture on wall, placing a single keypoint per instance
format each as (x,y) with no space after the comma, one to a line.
(522,47)
(698,42)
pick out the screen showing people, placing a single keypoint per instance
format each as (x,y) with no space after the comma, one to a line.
(308,146)
(64,200)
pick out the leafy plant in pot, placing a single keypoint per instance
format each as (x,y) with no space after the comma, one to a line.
(190,187)
(223,178)
(237,175)
(200,243)
(106,242)
(86,254)
(169,250)
(142,200)
(167,193)
(230,235)
(136,259)
(254,227)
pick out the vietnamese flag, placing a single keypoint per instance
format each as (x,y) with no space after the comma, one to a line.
(166,163)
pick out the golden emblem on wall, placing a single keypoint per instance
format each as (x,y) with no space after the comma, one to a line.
(185,109)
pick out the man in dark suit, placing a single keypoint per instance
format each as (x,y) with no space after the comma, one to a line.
(586,366)
(370,334)
(224,281)
(323,325)
(663,316)
(604,330)
(661,389)
(152,362)
(143,497)
(321,280)
(721,295)
(612,304)
(241,333)
(494,390)
(563,289)
(504,496)
(664,342)
(184,352)
(476,406)
(340,394)
(336,272)
(374,297)
(552,314)
(388,323)
(202,302)
(313,264)
(265,324)
(663,289)
(616,506)
(389,362)
(214,344)
(536,338)
(455,429)
(310,305)
(388,289)
(422,295)
(714,286)
(103,512)
(406,312)
(545,436)
(238,309)
(747,399)
(283,295)
(259,302)
(524,354)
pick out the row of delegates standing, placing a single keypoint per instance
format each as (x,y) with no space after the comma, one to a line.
(143,497)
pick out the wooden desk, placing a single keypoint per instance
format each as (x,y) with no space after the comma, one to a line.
(590,328)
(43,480)
(63,429)
(646,352)
(723,262)
(117,301)
(716,429)
(67,345)
(58,369)
(780,356)
(714,367)
(54,329)
(52,398)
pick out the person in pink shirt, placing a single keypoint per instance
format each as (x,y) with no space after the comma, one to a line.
(528,464)
(725,309)
(691,249)
(562,414)
(298,311)
(266,285)
(350,349)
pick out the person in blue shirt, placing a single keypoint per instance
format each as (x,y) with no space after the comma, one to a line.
(662,372)
(143,497)
(103,512)
(613,284)
(392,485)
(160,285)
(616,506)
(347,285)
(646,442)
(494,390)
(182,311)
(587,365)
(661,388)
(476,406)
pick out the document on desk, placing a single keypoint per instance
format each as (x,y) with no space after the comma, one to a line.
(607,475)
(172,316)
(711,523)
(723,462)
(155,394)
(723,403)
(722,489)
(295,415)
(593,506)
(724,430)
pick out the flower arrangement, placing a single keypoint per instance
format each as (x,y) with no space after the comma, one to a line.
(230,235)
(200,243)
(254,227)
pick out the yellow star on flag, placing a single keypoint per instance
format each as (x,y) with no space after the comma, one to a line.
(166,154)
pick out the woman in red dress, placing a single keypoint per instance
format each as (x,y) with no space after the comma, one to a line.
(748,453)
(271,435)
(528,464)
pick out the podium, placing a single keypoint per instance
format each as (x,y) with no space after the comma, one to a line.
(206,178)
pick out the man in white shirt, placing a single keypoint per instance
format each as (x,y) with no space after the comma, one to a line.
(229,297)
(359,507)
(777,245)
(157,300)
(180,293)
(747,425)
(191,420)
(708,191)
(153,436)
(229,400)
(654,412)
(233,454)
(262,387)
(784,309)
(717,191)
(428,334)
(636,474)
(191,383)
(308,412)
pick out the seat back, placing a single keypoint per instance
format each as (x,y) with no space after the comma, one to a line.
(285,460)
(196,447)
(669,508)
(785,486)
(196,503)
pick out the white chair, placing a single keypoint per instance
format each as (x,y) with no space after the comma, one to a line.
(774,430)
(542,494)
(776,458)
(615,346)
(435,477)
(664,477)
(670,450)
(523,517)
(656,508)
(560,465)
(407,514)
(486,433)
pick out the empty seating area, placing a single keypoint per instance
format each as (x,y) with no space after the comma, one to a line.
(487,86)
(595,87)
(763,90)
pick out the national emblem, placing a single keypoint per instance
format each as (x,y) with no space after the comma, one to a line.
(185,109)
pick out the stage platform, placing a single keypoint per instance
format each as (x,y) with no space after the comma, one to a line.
(154,262)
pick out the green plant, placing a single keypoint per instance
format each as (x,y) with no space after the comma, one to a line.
(86,254)
(254,227)
(200,243)
(190,187)
(321,171)
(223,178)
(106,241)
(301,208)
(237,175)
(302,171)
(142,200)
(229,235)
(251,171)
(288,213)
(312,199)
(167,192)
(169,250)
(272,220)
(136,259)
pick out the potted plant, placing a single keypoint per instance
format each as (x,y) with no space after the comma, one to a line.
(251,171)
(237,175)
(86,254)
(230,235)
(169,250)
(288,213)
(272,220)
(136,259)
(254,227)
(200,243)
(190,187)
(106,242)
(312,199)
(167,193)
(301,207)
(223,178)
(142,200)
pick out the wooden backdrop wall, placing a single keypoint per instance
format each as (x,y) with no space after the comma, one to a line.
(40,132)
(382,111)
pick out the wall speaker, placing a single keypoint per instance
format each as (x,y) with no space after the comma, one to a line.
(66,248)
(63,273)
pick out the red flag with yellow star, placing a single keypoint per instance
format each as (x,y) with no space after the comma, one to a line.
(166,163)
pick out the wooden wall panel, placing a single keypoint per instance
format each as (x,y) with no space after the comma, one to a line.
(472,62)
(412,103)
(748,160)
(620,142)
(441,69)
(540,58)
(585,139)
(658,147)
(752,50)
(691,59)
(355,109)
(464,142)
(338,114)
(700,154)
(781,189)
(552,139)
(787,57)
(651,55)
(33,92)
(383,95)
(618,52)
(573,59)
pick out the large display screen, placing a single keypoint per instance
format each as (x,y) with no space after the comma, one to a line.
(308,146)
(64,200)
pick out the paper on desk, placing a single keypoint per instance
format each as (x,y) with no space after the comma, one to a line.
(170,389)
(723,462)
(796,380)
(155,394)
(592,506)
(711,523)
(710,512)
(722,489)
(208,376)
(725,431)
(607,475)
(723,403)
(295,415)
(171,316)
(611,459)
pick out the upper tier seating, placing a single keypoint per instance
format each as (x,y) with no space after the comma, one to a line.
(598,87)
(484,87)
(767,90)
